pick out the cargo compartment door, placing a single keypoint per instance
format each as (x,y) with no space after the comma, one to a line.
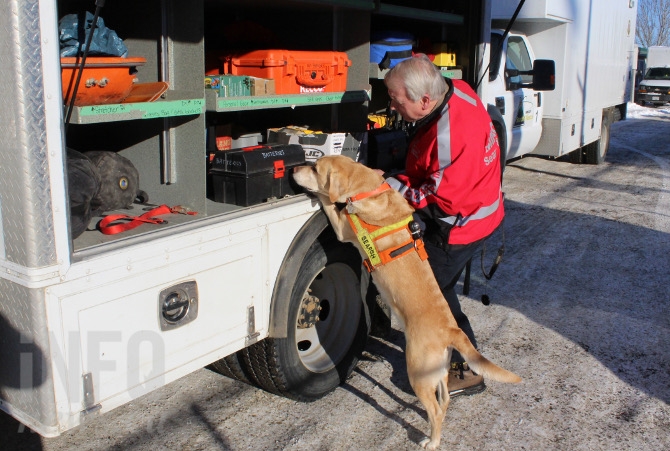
(137,328)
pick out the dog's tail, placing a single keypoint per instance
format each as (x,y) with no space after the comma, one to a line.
(479,363)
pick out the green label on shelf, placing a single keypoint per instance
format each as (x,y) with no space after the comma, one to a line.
(147,110)
(235,103)
(452,73)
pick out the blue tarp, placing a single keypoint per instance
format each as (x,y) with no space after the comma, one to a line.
(73,37)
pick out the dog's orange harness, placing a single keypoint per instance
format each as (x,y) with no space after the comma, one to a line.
(368,234)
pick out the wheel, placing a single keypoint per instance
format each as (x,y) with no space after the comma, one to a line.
(595,152)
(327,333)
(232,366)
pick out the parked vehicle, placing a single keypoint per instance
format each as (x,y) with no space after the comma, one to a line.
(263,293)
(593,75)
(654,87)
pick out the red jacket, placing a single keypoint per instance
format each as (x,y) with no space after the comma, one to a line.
(453,164)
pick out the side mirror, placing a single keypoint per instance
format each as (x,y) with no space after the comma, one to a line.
(544,75)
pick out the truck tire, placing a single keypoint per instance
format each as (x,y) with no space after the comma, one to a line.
(316,355)
(595,152)
(231,366)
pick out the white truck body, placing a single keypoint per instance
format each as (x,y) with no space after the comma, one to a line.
(657,56)
(88,324)
(654,88)
(592,44)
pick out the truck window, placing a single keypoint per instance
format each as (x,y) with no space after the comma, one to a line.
(518,58)
(658,73)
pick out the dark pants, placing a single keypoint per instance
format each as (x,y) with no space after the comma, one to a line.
(447,266)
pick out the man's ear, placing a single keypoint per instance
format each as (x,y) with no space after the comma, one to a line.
(425,101)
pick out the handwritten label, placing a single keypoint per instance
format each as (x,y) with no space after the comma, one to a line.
(148,110)
(235,103)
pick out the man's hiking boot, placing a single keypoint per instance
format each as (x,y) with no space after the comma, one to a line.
(464,381)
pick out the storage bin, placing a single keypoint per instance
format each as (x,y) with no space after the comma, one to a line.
(255,174)
(389,48)
(105,79)
(294,72)
(317,144)
(443,55)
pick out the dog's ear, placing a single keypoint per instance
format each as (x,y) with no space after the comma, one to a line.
(342,177)
(333,179)
(335,188)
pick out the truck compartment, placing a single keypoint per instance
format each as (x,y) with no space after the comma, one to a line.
(171,139)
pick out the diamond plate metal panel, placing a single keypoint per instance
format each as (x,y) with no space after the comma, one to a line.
(25,380)
(25,197)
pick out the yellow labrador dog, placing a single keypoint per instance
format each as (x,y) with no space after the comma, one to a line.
(377,219)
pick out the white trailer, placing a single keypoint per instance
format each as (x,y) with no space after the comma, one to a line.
(592,44)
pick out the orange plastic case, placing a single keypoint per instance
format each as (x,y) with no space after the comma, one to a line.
(294,72)
(105,79)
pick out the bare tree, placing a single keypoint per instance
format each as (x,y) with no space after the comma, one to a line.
(653,23)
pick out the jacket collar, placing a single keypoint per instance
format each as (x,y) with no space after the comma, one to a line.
(438,109)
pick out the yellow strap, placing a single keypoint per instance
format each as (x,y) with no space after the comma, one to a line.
(367,239)
(381,230)
(367,242)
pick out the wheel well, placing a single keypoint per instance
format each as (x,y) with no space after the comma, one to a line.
(315,227)
(499,125)
(620,112)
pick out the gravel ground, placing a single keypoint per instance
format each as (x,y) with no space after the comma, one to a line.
(579,309)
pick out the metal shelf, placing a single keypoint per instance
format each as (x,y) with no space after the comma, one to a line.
(221,104)
(419,14)
(366,5)
(177,105)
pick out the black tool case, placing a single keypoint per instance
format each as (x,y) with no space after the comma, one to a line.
(255,174)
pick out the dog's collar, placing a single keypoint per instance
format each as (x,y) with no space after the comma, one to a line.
(383,187)
(368,234)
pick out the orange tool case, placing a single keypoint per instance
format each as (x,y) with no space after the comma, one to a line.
(294,72)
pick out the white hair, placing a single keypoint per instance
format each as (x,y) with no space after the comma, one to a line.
(419,76)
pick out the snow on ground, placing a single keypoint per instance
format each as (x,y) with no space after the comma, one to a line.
(636,111)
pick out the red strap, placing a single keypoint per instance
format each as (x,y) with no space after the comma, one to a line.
(130,222)
(383,187)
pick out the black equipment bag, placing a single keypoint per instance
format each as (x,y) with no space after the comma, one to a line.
(120,181)
(83,188)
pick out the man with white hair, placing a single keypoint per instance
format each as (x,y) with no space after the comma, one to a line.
(452,178)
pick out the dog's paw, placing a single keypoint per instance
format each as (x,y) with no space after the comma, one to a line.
(429,444)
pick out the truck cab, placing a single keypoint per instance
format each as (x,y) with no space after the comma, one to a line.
(515,93)
(654,87)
